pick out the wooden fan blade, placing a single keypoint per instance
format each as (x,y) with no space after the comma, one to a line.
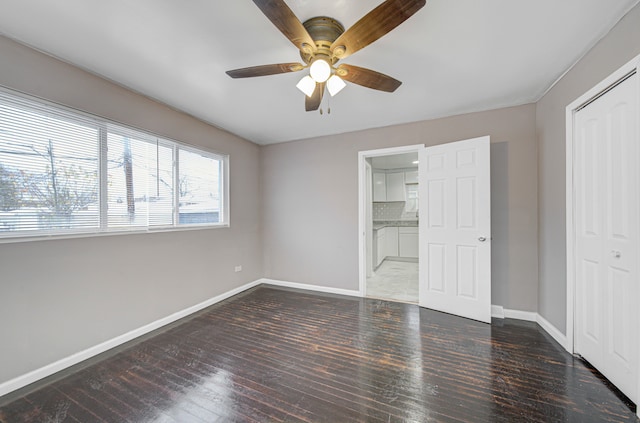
(368,78)
(312,103)
(283,18)
(265,70)
(374,25)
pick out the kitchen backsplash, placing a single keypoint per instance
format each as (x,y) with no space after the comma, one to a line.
(391,211)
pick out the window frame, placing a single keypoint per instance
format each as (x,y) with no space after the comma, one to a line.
(105,126)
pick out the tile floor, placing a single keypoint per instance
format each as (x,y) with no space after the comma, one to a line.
(394,280)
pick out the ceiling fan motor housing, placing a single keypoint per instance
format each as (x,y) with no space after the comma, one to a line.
(324,31)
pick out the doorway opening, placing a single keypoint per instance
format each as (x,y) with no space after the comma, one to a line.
(389,185)
(454,232)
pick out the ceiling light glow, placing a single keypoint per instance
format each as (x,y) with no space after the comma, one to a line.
(335,84)
(320,70)
(307,86)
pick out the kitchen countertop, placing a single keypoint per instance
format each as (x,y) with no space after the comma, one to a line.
(379,224)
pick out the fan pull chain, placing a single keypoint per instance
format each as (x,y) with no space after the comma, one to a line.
(328,101)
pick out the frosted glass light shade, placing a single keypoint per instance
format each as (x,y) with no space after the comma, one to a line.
(320,70)
(335,84)
(307,86)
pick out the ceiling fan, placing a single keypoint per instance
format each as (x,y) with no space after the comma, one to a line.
(323,41)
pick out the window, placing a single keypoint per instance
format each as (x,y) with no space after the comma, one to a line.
(199,186)
(139,181)
(64,172)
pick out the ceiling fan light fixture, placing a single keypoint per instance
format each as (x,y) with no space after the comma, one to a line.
(320,70)
(307,85)
(323,41)
(335,84)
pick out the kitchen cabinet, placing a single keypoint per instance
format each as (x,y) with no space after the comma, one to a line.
(380,246)
(395,187)
(411,177)
(388,187)
(391,241)
(408,241)
(379,187)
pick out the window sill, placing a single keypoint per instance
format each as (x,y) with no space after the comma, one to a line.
(73,235)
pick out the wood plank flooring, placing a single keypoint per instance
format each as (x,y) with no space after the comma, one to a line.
(278,355)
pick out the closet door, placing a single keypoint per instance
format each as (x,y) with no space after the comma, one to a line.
(606,213)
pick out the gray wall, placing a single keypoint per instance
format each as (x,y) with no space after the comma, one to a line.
(310,218)
(62,296)
(617,48)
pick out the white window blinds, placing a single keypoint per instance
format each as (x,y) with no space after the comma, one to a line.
(48,169)
(139,181)
(65,172)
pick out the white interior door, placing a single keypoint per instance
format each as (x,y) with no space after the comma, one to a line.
(606,216)
(455,228)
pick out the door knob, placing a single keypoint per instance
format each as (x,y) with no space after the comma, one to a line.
(616,254)
(482,239)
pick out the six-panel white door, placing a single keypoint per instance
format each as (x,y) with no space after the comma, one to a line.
(455,228)
(606,218)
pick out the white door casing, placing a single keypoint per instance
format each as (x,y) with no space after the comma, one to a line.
(455,228)
(606,211)
(368,210)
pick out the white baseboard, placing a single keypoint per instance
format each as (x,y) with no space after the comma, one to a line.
(35,375)
(49,369)
(529,316)
(554,332)
(317,288)
(497,311)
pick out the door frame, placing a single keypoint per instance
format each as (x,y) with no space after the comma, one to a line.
(368,213)
(362,204)
(633,66)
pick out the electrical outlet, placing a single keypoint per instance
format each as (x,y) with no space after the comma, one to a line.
(238,268)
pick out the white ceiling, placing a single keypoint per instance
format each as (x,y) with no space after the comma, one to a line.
(453,57)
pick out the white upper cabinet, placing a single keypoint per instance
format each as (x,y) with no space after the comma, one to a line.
(395,187)
(379,187)
(388,187)
(411,177)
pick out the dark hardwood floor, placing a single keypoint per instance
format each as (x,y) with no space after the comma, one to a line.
(273,354)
